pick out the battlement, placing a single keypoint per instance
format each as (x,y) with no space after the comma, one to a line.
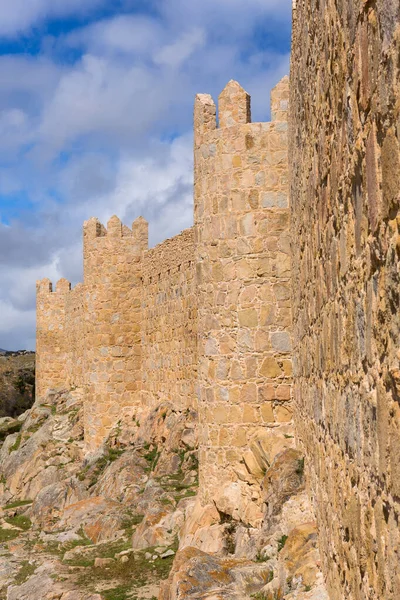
(45,286)
(234,108)
(93,229)
(280,100)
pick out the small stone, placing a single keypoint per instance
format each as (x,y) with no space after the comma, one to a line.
(103,562)
(280,341)
(124,559)
(167,553)
(147,556)
(270,368)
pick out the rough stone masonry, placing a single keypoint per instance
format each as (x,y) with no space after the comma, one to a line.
(345,221)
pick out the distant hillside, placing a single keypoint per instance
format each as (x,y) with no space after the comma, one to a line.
(17,382)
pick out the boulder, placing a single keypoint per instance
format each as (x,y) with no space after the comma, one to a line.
(101,520)
(283,479)
(54,498)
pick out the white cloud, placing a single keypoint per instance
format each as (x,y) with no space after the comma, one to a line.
(123,34)
(20,15)
(176,53)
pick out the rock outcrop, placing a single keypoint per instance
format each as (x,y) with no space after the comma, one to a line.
(78,526)
(17,383)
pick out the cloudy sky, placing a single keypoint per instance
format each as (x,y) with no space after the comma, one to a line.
(96,102)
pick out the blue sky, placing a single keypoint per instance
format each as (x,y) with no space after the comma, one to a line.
(96,110)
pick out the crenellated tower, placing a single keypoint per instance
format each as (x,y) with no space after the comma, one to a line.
(51,340)
(243,277)
(112,308)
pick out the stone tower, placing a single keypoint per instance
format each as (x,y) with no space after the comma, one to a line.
(243,277)
(51,350)
(112,308)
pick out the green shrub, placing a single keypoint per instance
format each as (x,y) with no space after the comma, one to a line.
(282,542)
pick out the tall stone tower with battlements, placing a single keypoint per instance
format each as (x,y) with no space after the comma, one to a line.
(243,277)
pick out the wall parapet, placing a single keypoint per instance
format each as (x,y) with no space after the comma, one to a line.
(172,254)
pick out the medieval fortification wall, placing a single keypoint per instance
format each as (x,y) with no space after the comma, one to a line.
(169,323)
(201,320)
(345,176)
(204,319)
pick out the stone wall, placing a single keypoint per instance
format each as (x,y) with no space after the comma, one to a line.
(51,342)
(205,315)
(112,306)
(243,277)
(345,167)
(169,322)
(75,341)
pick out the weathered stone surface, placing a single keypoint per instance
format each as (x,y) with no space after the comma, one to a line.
(100,519)
(344,156)
(283,479)
(200,575)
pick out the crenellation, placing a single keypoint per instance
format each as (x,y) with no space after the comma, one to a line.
(114,227)
(93,228)
(140,230)
(280,101)
(63,286)
(205,117)
(44,286)
(234,106)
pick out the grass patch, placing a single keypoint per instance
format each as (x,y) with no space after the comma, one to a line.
(118,593)
(8,534)
(52,407)
(80,561)
(20,521)
(260,557)
(136,572)
(27,569)
(84,541)
(33,428)
(166,502)
(17,504)
(137,519)
(152,455)
(86,559)
(16,444)
(282,542)
(93,472)
(278,595)
(174,486)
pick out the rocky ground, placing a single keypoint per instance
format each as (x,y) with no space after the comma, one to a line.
(126,523)
(17,382)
